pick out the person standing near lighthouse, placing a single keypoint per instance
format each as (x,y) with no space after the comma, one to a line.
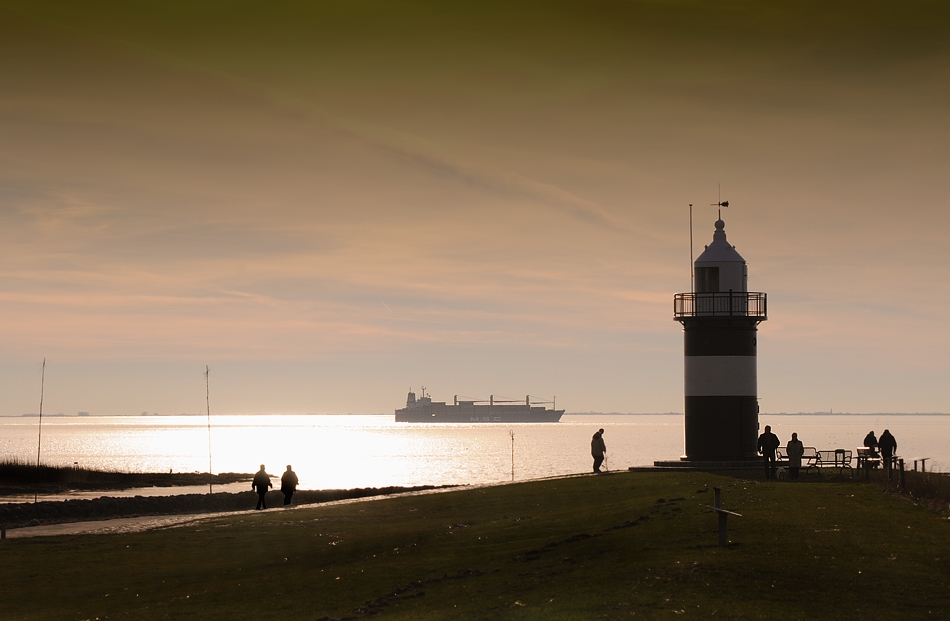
(794,450)
(767,445)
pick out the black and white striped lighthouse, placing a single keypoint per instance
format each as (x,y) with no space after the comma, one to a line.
(720,320)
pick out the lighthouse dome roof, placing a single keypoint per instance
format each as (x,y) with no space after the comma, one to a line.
(720,251)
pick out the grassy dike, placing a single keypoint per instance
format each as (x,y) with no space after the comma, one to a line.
(622,545)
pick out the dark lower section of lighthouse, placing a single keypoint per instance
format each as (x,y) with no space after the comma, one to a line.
(721,404)
(721,428)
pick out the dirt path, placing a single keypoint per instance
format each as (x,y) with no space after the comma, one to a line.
(110,527)
(149,522)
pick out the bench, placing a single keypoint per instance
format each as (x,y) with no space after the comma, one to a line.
(867,458)
(837,458)
(809,457)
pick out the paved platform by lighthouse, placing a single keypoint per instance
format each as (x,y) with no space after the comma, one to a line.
(720,320)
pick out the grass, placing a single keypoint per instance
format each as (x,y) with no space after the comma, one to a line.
(638,545)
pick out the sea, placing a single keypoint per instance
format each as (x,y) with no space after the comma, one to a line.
(348,451)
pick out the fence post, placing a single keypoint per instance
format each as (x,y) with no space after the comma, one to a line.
(723,529)
(902,475)
(3,531)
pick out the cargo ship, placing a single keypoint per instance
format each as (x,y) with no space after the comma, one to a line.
(425,410)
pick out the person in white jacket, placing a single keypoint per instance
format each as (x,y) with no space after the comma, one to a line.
(794,450)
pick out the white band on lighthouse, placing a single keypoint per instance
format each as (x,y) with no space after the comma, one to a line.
(721,376)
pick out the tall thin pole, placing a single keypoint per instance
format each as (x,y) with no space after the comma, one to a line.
(208,403)
(512,434)
(692,276)
(39,436)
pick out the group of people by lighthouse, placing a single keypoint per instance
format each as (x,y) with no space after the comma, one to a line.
(768,445)
(887,445)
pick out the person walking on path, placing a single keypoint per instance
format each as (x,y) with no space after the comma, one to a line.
(262,483)
(766,445)
(794,450)
(598,449)
(888,446)
(288,484)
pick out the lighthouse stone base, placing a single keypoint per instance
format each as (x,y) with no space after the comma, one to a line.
(695,464)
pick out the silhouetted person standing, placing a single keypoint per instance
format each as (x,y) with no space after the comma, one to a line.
(888,445)
(766,445)
(870,441)
(794,450)
(288,484)
(262,483)
(598,449)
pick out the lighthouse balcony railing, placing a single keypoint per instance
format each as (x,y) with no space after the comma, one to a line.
(724,304)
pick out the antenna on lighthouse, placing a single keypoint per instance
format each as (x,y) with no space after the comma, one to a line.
(721,203)
(692,275)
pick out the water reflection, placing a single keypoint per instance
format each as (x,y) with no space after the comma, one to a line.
(371,451)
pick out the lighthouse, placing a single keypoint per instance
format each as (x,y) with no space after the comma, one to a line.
(720,320)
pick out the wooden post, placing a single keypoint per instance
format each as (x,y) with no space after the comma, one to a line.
(902,475)
(723,516)
(511,432)
(3,531)
(723,530)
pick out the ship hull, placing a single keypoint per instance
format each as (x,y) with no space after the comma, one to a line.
(477,414)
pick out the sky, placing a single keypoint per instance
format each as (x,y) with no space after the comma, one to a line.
(328,203)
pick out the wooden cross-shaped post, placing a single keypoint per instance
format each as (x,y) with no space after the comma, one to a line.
(723,516)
